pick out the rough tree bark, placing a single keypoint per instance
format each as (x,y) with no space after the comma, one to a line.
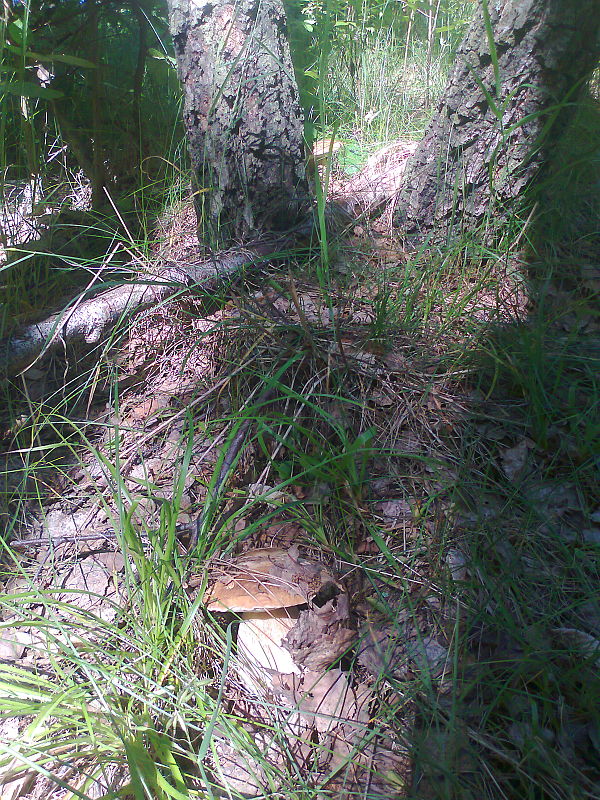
(242,115)
(500,112)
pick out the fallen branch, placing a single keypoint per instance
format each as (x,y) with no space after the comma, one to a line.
(86,323)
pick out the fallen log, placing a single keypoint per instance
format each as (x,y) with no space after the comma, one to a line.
(85,323)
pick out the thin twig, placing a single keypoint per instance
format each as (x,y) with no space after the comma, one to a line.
(66,537)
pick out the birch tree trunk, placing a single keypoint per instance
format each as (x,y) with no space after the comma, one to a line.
(242,115)
(517,74)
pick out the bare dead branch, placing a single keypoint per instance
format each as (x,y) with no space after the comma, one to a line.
(86,323)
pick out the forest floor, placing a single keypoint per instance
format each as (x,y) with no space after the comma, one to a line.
(424,426)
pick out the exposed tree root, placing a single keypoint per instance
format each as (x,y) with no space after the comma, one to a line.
(85,323)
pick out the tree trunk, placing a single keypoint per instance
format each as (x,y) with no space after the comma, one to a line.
(242,116)
(517,73)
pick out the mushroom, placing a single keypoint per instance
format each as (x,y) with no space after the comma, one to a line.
(266,586)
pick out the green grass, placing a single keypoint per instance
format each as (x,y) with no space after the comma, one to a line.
(142,700)
(382,98)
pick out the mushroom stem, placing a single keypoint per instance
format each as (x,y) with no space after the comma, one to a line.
(260,651)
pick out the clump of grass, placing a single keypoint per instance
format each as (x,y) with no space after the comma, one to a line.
(516,688)
(382,98)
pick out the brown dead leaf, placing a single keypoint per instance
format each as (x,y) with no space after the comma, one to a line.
(86,585)
(457,563)
(113,561)
(396,513)
(591,277)
(322,635)
(387,250)
(362,317)
(315,313)
(367,546)
(382,651)
(434,401)
(13,643)
(553,498)
(588,646)
(281,534)
(328,699)
(146,408)
(340,713)
(427,654)
(383,399)
(148,469)
(395,361)
(513,459)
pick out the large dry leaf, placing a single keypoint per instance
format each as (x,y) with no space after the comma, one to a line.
(15,641)
(382,651)
(350,754)
(457,564)
(329,700)
(587,645)
(321,635)
(514,459)
(396,513)
(89,586)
